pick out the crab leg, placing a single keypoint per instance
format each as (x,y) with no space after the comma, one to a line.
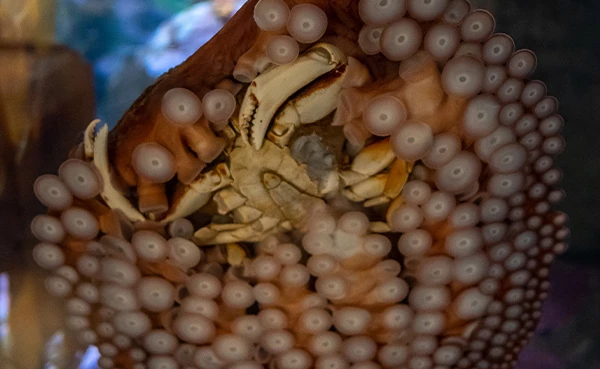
(371,160)
(246,214)
(367,189)
(399,172)
(113,198)
(374,158)
(88,140)
(365,182)
(382,188)
(199,192)
(227,200)
(271,89)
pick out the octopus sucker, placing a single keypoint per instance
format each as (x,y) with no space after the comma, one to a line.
(324,184)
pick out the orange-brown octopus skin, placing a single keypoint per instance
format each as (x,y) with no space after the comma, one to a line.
(406,219)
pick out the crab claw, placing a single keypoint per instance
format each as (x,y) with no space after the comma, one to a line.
(271,89)
(96,148)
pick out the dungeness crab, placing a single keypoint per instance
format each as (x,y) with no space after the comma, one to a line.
(327,184)
(273,192)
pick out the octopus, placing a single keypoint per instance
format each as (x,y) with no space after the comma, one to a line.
(325,184)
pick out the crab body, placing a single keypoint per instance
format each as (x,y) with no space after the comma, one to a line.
(270,193)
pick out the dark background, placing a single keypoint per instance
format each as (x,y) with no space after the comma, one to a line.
(565,36)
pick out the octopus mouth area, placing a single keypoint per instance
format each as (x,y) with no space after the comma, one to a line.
(312,151)
(386,204)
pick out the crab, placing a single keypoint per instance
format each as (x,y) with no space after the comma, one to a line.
(265,186)
(270,191)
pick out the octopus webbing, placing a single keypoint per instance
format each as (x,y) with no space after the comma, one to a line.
(325,184)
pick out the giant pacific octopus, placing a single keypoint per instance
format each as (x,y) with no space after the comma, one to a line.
(324,184)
